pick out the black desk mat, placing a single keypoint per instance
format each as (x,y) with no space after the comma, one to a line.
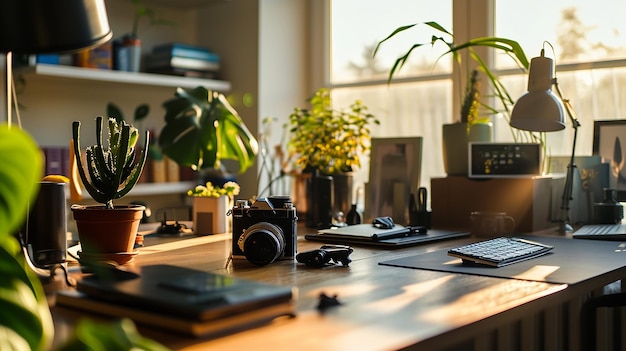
(570,262)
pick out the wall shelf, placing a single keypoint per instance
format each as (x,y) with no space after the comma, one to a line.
(112,76)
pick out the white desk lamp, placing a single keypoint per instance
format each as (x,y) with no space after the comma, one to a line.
(539,110)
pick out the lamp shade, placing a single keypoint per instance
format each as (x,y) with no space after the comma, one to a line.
(52,26)
(539,110)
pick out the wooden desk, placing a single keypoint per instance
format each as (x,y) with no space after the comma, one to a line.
(383,308)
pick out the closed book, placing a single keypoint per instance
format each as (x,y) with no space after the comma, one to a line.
(185,50)
(160,61)
(54,159)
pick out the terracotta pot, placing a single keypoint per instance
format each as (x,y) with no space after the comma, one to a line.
(106,231)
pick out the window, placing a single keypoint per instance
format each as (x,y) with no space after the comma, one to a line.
(588,42)
(590,48)
(422,101)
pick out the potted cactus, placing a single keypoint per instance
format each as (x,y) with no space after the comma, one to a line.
(108,232)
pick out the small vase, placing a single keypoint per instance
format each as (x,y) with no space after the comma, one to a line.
(209,214)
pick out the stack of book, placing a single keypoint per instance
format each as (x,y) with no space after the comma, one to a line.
(183,60)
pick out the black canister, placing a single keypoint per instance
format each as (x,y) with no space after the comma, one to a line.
(45,232)
(609,211)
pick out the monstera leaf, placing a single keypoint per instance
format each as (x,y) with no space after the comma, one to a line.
(20,172)
(25,321)
(202,128)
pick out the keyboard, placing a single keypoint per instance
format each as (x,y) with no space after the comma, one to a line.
(499,252)
(601,232)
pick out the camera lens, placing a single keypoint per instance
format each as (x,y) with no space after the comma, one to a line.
(262,243)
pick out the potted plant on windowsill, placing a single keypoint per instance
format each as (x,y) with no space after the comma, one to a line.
(495,87)
(107,232)
(469,127)
(330,142)
(202,129)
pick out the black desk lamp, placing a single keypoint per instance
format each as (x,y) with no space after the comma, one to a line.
(49,26)
(539,110)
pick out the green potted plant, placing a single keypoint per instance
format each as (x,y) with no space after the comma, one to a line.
(210,205)
(202,129)
(467,128)
(496,89)
(131,43)
(331,142)
(109,172)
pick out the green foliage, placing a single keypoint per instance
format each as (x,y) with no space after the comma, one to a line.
(112,171)
(202,128)
(507,46)
(121,335)
(141,112)
(329,140)
(471,102)
(25,321)
(142,11)
(21,168)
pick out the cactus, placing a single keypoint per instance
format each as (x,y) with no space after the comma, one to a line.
(112,172)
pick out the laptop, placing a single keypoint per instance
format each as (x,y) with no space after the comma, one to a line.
(601,232)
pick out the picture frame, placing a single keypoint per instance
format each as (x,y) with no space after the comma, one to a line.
(394,174)
(609,141)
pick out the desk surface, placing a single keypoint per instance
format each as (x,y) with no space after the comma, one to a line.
(382,308)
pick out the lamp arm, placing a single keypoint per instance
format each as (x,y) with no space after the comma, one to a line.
(564,225)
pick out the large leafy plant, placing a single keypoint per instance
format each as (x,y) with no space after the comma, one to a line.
(202,128)
(25,319)
(110,171)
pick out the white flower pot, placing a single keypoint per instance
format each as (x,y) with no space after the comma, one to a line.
(209,215)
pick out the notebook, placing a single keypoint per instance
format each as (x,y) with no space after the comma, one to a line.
(363,234)
(184,300)
(367,232)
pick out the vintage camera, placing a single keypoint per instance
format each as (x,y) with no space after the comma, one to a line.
(265,230)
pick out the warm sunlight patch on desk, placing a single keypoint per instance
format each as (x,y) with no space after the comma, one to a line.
(181,244)
(486,301)
(538,272)
(410,294)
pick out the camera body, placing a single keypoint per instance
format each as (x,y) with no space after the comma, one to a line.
(264,230)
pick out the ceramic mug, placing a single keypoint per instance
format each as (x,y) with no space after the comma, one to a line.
(491,224)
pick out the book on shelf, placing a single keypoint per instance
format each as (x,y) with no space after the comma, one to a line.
(186,50)
(182,72)
(182,300)
(161,61)
(56,160)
